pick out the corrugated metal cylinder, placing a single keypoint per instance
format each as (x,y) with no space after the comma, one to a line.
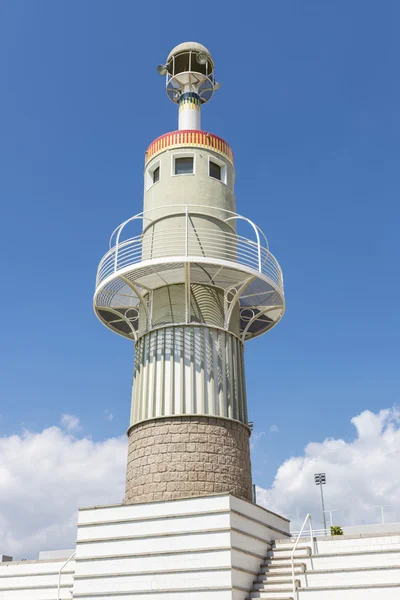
(188,370)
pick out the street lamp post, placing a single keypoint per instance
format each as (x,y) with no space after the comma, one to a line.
(320,479)
(382,506)
(330,513)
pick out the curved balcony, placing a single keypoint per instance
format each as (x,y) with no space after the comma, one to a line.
(199,245)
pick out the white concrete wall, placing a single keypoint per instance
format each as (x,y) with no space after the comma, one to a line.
(35,580)
(342,544)
(377,593)
(205,548)
(360,559)
(371,529)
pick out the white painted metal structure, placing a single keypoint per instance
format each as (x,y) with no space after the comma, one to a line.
(190,82)
(243,269)
(309,520)
(189,279)
(223,289)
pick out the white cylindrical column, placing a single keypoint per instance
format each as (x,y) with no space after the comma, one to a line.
(189,370)
(189,111)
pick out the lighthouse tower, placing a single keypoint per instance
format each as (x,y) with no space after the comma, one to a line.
(189,290)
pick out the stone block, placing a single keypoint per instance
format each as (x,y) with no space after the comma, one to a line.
(198,456)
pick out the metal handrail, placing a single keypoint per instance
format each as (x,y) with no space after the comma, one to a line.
(308,518)
(230,246)
(59,574)
(316,533)
(185,210)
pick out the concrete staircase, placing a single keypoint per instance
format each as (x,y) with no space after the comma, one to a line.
(345,568)
(275,577)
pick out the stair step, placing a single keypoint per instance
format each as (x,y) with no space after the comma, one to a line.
(269,595)
(299,547)
(257,595)
(274,553)
(278,570)
(284,560)
(274,585)
(267,577)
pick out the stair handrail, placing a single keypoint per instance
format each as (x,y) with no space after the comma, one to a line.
(308,518)
(59,574)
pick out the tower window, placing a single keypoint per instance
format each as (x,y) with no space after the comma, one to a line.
(215,170)
(184,165)
(152,174)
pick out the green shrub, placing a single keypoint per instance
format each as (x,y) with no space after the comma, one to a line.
(336,530)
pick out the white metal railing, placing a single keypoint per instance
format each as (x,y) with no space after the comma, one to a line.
(316,533)
(308,518)
(59,574)
(190,241)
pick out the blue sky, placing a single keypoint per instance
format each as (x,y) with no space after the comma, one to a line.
(310,102)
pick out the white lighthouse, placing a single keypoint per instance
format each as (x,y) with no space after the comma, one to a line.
(181,283)
(189,281)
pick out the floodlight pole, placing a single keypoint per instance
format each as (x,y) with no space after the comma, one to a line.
(382,506)
(330,514)
(323,507)
(320,479)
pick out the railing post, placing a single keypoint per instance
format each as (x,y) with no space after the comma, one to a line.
(295,590)
(257,236)
(311,536)
(187,232)
(116,255)
(59,574)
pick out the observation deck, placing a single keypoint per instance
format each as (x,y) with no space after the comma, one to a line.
(189,253)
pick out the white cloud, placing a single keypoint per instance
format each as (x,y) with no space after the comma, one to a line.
(108,416)
(274,429)
(360,474)
(45,477)
(71,423)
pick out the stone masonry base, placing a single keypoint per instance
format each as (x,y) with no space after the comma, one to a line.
(181,457)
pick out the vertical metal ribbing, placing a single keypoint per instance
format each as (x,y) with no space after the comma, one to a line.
(176,371)
(227,371)
(220,357)
(162,375)
(188,370)
(206,372)
(154,356)
(215,347)
(210,374)
(236,381)
(136,382)
(151,383)
(224,409)
(243,380)
(144,399)
(230,395)
(159,373)
(201,370)
(171,399)
(191,392)
(182,372)
(142,388)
